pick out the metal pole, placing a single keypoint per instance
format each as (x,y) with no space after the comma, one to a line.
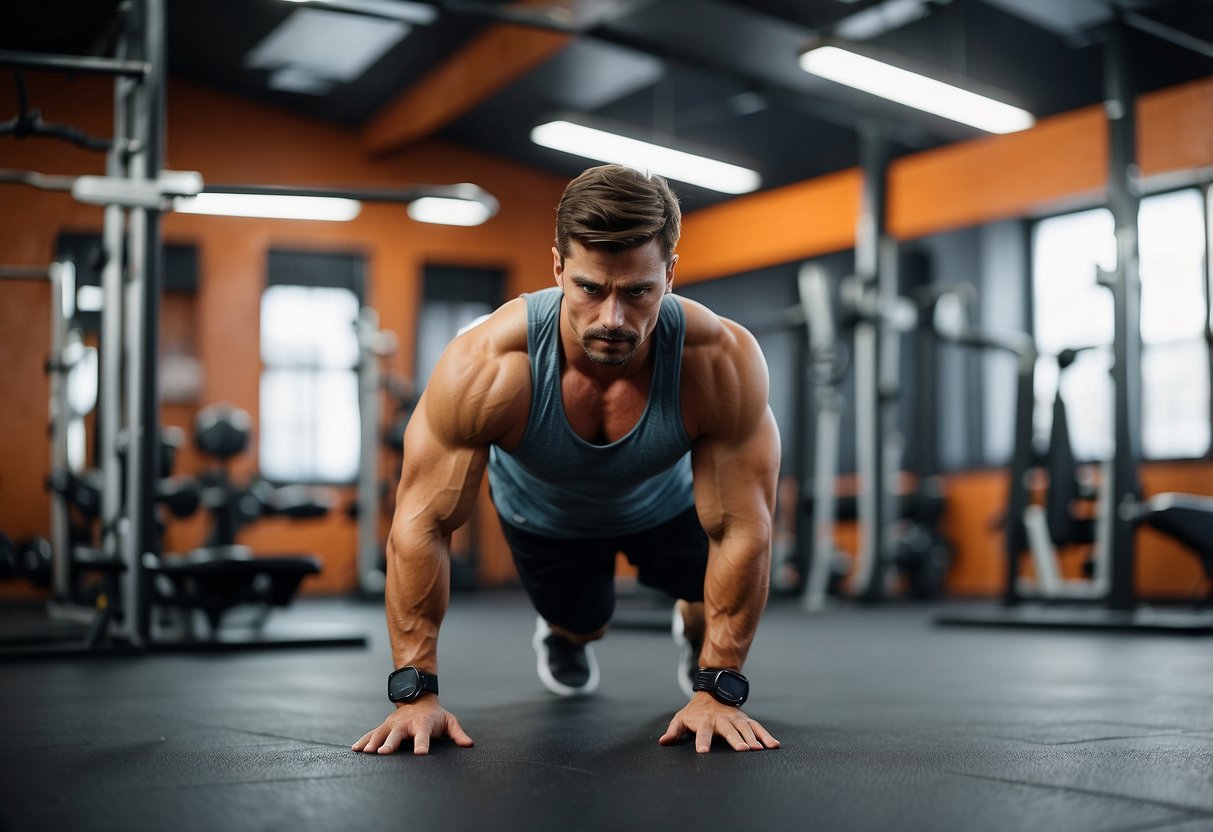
(371,578)
(73,63)
(63,289)
(146,267)
(1125,283)
(869,375)
(115,530)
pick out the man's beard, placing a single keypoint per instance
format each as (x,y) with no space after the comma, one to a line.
(611,359)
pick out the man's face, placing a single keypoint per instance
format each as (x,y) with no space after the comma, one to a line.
(612,296)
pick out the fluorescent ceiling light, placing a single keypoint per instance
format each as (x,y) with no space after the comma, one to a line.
(445,211)
(332,45)
(420,13)
(672,164)
(914,90)
(299,80)
(266,206)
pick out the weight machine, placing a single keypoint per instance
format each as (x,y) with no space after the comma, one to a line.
(1190,519)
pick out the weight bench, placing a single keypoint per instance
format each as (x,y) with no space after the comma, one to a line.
(216,579)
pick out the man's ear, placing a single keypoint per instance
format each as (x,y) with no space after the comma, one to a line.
(557,267)
(669,274)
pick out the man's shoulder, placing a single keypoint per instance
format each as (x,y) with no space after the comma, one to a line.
(724,376)
(713,336)
(475,386)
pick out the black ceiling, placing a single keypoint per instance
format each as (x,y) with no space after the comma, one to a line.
(719,74)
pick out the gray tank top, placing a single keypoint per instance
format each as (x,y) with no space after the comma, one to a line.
(557,484)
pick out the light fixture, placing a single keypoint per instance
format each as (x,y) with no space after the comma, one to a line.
(914,90)
(448,211)
(270,206)
(593,143)
(462,204)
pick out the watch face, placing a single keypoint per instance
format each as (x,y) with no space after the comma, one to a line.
(732,687)
(402,685)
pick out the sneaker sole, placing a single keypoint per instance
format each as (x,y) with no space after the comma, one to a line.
(678,631)
(550,682)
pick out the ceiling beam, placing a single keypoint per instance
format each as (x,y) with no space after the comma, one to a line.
(485,66)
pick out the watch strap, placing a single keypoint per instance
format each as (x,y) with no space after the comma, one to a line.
(427,682)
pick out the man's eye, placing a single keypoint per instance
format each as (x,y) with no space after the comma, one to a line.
(639,291)
(589,290)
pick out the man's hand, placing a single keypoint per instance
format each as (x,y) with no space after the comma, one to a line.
(706,718)
(421,720)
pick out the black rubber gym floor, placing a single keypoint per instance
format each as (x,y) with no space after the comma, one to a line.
(887,722)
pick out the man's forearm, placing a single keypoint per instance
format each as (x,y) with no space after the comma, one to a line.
(735,592)
(417,593)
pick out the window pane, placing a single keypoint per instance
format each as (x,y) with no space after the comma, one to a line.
(1174,360)
(285,446)
(307,325)
(337,436)
(1072,310)
(1175,407)
(1172,267)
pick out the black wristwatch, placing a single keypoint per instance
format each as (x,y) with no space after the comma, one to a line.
(407,683)
(727,686)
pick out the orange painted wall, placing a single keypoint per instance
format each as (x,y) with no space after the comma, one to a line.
(1060,161)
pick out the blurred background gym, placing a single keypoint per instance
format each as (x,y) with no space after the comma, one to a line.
(971,236)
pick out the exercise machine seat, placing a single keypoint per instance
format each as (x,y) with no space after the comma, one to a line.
(1186,517)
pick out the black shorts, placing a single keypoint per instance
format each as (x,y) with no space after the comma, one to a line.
(571,581)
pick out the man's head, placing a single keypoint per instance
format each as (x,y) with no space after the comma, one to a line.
(615,205)
(616,229)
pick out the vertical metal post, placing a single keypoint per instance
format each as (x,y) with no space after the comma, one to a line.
(1125,284)
(146,112)
(871,335)
(115,528)
(371,578)
(63,299)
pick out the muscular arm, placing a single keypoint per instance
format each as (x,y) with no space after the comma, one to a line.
(736,466)
(735,460)
(479,394)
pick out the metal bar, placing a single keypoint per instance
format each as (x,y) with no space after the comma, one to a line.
(869,341)
(74,63)
(146,165)
(63,290)
(36,273)
(467,191)
(1169,34)
(1124,281)
(371,578)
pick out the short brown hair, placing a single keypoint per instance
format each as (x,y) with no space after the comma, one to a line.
(618,205)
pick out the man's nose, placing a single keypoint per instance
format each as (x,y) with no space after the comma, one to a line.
(612,313)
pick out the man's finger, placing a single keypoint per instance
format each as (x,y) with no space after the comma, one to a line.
(358,745)
(421,740)
(392,742)
(764,735)
(703,737)
(674,732)
(746,729)
(455,731)
(733,737)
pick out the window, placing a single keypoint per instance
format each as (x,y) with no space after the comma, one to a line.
(1073,311)
(309,384)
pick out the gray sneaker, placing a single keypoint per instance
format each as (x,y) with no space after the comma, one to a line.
(566,669)
(688,654)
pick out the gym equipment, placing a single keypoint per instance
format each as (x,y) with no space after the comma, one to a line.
(899,538)
(222,575)
(374,345)
(1116,606)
